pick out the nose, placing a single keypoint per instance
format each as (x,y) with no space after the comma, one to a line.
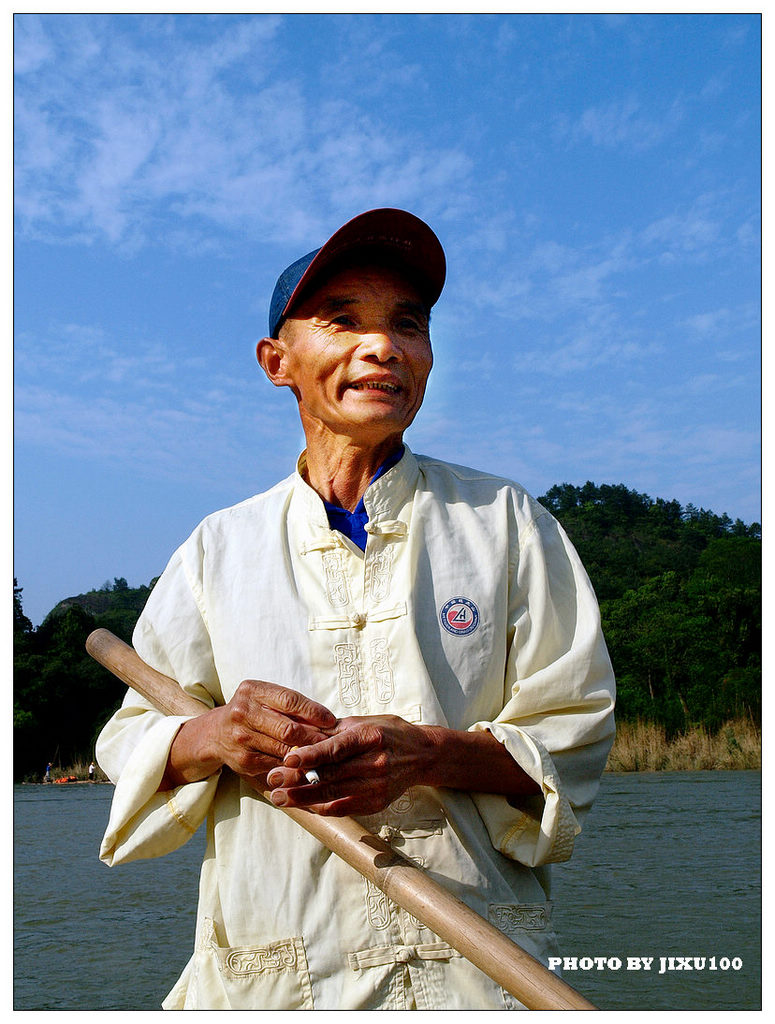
(380,345)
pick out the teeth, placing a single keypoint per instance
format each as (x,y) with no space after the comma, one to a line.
(372,385)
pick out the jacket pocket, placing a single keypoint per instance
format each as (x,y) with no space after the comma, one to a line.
(529,925)
(271,976)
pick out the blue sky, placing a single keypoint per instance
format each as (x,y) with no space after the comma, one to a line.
(595,181)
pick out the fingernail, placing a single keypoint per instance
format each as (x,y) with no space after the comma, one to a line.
(278,798)
(274,778)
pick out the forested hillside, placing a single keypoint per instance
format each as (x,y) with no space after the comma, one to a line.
(680,598)
(62,697)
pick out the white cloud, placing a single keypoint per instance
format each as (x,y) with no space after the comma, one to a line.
(618,123)
(713,383)
(547,438)
(708,323)
(221,132)
(80,392)
(32,47)
(621,123)
(724,323)
(692,230)
(552,283)
(585,353)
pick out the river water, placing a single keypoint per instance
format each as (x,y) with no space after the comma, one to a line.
(667,867)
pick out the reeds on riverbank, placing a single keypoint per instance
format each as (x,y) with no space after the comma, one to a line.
(639,747)
(644,747)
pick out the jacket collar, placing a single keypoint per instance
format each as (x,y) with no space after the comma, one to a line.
(383,499)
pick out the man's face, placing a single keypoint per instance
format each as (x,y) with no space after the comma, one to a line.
(357,354)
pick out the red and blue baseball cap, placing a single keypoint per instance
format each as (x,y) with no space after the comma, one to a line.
(392,236)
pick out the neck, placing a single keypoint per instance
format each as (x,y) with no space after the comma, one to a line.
(341,473)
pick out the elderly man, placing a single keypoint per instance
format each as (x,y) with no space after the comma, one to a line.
(421,636)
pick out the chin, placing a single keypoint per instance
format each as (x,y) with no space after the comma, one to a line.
(373,432)
(383,418)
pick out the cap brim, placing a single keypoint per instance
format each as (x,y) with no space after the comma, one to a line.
(400,237)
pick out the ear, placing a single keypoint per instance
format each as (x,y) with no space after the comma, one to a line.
(270,354)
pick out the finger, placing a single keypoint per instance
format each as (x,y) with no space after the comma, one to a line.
(288,731)
(290,702)
(317,798)
(336,808)
(343,746)
(284,778)
(251,763)
(311,776)
(334,805)
(270,732)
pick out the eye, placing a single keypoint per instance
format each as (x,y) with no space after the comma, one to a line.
(343,320)
(411,325)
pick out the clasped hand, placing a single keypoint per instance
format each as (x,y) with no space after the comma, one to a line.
(364,764)
(272,735)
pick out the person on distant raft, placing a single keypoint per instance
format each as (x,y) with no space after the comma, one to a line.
(421,635)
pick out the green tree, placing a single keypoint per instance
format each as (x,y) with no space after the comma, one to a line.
(21,624)
(689,653)
(726,588)
(661,650)
(62,697)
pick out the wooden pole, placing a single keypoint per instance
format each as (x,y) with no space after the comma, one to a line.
(403,882)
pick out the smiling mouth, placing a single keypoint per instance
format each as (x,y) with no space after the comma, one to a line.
(373,385)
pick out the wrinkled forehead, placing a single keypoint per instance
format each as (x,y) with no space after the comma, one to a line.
(363,282)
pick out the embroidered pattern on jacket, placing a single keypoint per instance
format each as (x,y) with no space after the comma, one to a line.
(383,670)
(403,803)
(337,590)
(379,573)
(378,906)
(528,917)
(350,686)
(280,956)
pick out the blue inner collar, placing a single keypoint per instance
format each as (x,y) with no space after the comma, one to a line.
(353,524)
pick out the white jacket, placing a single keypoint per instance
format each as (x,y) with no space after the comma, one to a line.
(469,609)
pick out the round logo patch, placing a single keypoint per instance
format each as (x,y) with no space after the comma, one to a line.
(460,616)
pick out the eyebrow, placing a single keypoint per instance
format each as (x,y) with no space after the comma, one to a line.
(336,303)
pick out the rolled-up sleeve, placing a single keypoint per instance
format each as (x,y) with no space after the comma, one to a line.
(132,749)
(144,822)
(557,721)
